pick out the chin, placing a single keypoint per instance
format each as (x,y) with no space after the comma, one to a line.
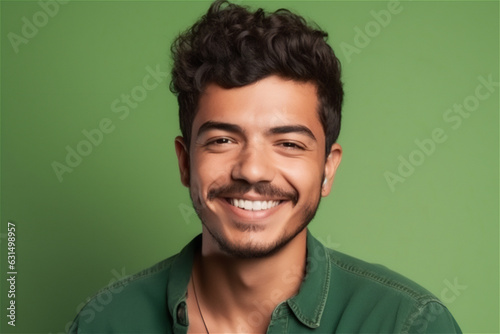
(253,247)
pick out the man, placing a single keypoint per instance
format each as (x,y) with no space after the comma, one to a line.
(260,99)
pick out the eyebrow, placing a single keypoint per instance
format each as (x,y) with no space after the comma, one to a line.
(211,125)
(292,129)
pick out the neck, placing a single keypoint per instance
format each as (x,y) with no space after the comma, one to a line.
(241,294)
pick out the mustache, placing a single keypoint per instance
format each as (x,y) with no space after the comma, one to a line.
(240,188)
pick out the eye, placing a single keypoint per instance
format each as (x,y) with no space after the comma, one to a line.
(291,145)
(220,141)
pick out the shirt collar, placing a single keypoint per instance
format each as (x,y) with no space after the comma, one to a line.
(307,305)
(179,276)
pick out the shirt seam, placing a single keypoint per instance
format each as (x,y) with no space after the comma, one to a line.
(132,278)
(385,281)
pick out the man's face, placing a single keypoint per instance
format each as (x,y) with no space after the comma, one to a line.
(256,164)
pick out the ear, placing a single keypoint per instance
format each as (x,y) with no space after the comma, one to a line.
(331,165)
(182,159)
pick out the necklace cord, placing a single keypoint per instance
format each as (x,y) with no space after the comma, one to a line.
(198,304)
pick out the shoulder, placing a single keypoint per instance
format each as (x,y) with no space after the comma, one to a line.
(141,303)
(128,302)
(384,295)
(377,277)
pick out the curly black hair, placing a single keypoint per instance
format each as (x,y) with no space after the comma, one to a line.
(232,46)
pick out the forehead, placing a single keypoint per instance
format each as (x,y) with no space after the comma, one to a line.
(272,101)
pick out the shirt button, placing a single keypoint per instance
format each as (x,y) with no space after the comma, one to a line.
(181,314)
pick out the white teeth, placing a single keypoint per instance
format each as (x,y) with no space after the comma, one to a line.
(253,205)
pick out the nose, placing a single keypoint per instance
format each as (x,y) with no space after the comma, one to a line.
(253,165)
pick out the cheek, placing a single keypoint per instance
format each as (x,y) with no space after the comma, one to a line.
(304,175)
(307,182)
(207,174)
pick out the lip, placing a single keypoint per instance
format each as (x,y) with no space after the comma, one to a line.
(248,215)
(251,196)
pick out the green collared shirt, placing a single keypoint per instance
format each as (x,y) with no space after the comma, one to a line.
(340,294)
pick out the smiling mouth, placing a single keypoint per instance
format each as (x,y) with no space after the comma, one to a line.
(252,205)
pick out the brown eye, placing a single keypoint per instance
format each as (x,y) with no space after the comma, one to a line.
(220,141)
(291,145)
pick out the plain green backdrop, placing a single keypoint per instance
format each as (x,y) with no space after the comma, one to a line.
(122,208)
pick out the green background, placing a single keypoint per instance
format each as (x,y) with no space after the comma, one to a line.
(122,208)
